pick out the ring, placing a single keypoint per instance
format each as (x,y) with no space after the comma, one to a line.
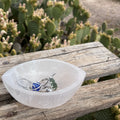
(47,84)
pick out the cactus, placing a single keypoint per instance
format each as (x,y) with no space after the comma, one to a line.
(72,38)
(13,52)
(105,39)
(6,4)
(33,27)
(94,33)
(50,27)
(45,19)
(75,3)
(117,117)
(58,10)
(115,109)
(81,14)
(43,23)
(1,55)
(71,24)
(116,42)
(30,7)
(110,31)
(1,47)
(87,82)
(34,43)
(86,31)
(104,27)
(79,33)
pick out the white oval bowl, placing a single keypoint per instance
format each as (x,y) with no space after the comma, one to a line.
(68,78)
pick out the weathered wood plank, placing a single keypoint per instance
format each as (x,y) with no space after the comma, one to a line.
(87,56)
(4,95)
(8,62)
(88,99)
(95,59)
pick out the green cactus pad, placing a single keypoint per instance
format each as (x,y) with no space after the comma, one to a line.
(67,12)
(75,3)
(73,41)
(116,42)
(15,10)
(104,27)
(50,27)
(21,17)
(86,32)
(33,28)
(117,117)
(79,34)
(1,55)
(57,12)
(70,26)
(1,47)
(93,35)
(21,28)
(110,31)
(1,5)
(87,82)
(105,39)
(86,39)
(85,16)
(13,52)
(6,54)
(30,9)
(6,4)
(76,12)
(81,14)
(49,11)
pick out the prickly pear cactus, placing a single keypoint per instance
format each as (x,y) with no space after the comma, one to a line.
(104,27)
(116,42)
(45,19)
(50,27)
(58,10)
(1,47)
(34,43)
(6,4)
(45,22)
(94,33)
(105,39)
(13,52)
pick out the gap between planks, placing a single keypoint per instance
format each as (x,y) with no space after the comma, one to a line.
(93,59)
(8,62)
(89,98)
(79,55)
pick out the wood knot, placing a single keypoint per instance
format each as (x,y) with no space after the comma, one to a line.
(5,63)
(63,50)
(108,58)
(11,113)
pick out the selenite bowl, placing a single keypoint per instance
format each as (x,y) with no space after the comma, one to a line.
(68,77)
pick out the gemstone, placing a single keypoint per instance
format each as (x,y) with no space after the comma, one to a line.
(36,86)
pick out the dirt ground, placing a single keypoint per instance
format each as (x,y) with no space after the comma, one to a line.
(104,10)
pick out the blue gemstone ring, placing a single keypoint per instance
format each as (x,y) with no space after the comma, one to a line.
(47,84)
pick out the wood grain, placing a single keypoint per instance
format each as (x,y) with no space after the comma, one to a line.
(94,58)
(88,99)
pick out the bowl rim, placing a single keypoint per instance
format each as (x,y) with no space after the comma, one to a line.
(61,91)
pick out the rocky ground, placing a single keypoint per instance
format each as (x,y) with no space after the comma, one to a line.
(104,10)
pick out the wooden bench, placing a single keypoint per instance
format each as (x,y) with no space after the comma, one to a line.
(94,58)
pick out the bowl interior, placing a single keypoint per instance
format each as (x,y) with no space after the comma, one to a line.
(66,74)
